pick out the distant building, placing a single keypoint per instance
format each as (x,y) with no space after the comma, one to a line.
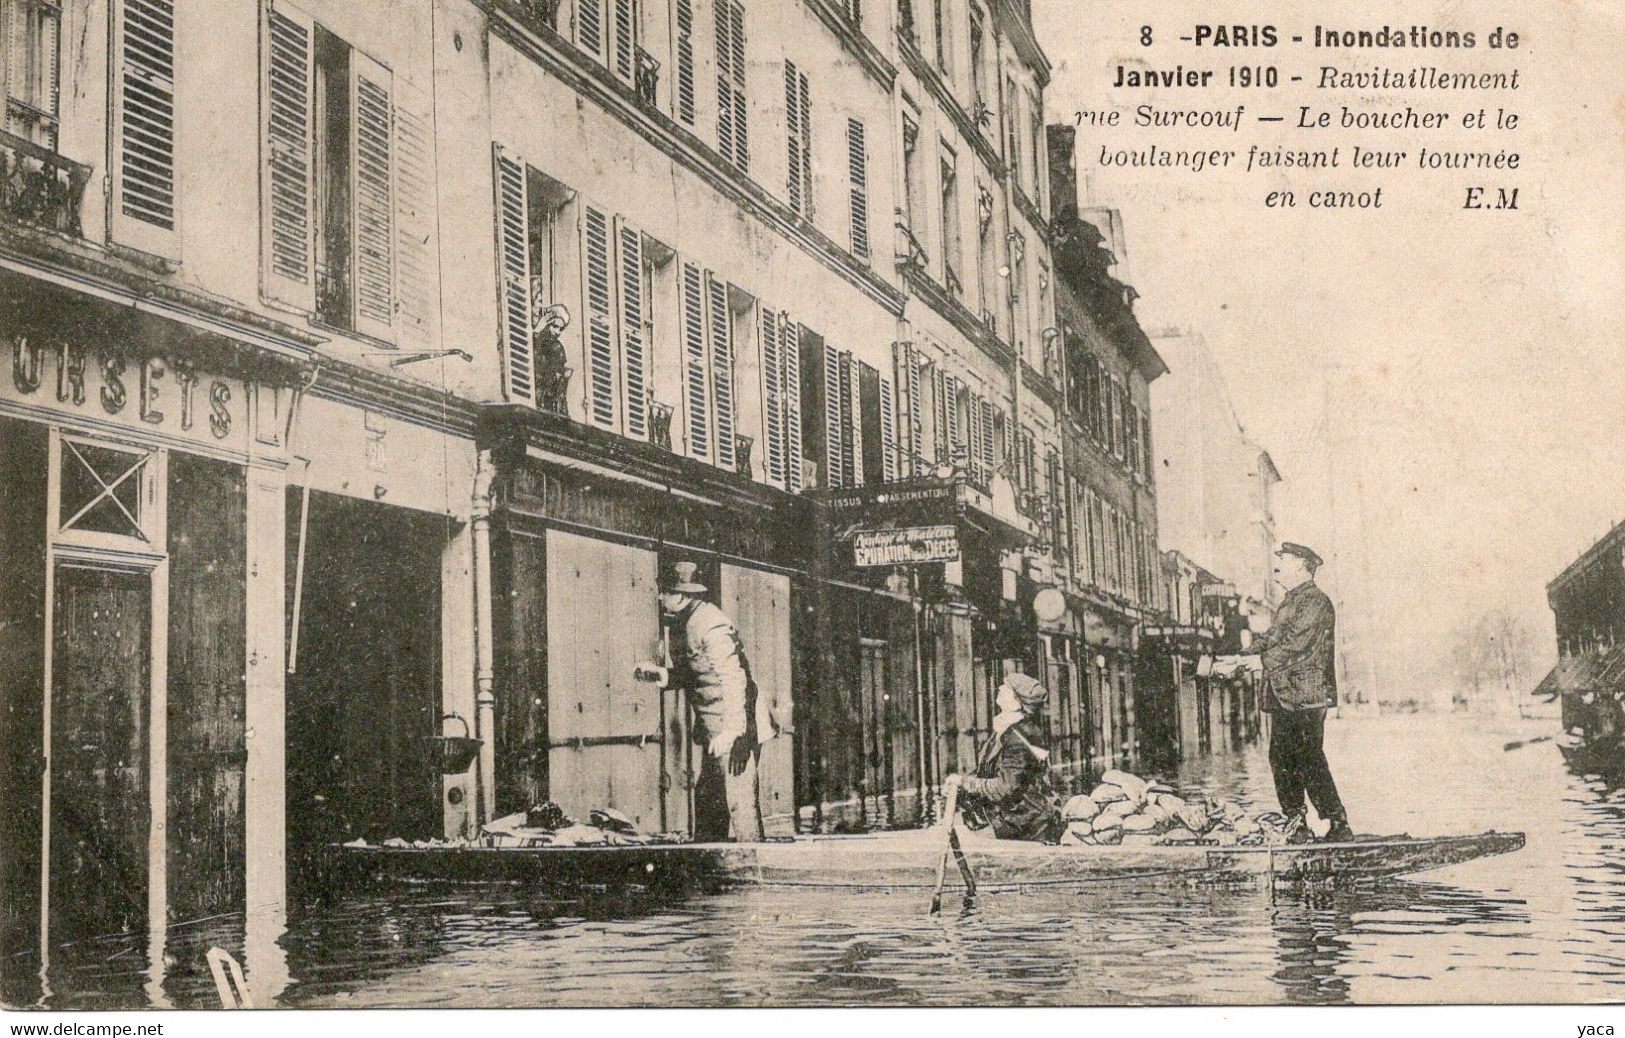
(1216,485)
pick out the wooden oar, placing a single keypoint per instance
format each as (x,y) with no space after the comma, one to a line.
(951,846)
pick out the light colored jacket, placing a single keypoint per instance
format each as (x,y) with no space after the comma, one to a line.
(715,673)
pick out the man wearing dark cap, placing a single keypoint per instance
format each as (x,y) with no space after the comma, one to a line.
(1300,682)
(1011,787)
(731,721)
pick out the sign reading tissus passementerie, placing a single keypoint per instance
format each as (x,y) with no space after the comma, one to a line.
(905,546)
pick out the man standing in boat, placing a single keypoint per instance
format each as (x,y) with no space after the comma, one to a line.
(1300,683)
(707,660)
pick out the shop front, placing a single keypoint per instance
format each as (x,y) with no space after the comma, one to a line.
(141,497)
(919,622)
(582,526)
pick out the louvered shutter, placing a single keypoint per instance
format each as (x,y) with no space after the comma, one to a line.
(939,411)
(590,26)
(626,39)
(988,425)
(952,388)
(28,69)
(792,135)
(697,402)
(833,441)
(722,369)
(741,121)
(773,461)
(143,190)
(908,394)
(513,254)
(790,347)
(634,348)
(851,423)
(685,61)
(805,107)
(857,166)
(599,307)
(888,432)
(417,256)
(725,83)
(287,172)
(372,196)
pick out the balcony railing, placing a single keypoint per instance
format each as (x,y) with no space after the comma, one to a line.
(40,187)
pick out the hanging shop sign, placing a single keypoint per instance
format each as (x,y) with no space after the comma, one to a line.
(906,546)
(150,393)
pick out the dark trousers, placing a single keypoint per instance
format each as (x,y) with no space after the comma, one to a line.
(1299,764)
(727,804)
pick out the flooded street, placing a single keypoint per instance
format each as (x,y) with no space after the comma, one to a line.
(1542,924)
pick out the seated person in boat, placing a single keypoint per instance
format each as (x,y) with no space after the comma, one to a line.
(1012,788)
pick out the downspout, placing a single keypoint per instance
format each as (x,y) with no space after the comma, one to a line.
(484,672)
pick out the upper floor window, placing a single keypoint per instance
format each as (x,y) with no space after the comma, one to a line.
(978,68)
(144,118)
(857,160)
(939,28)
(733,131)
(951,259)
(1012,130)
(347,185)
(611,31)
(29,63)
(798,115)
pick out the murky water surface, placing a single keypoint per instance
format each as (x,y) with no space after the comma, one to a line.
(1545,924)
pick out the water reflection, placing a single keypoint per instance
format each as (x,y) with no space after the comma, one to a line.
(1539,924)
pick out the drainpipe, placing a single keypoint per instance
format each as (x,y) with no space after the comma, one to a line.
(484,674)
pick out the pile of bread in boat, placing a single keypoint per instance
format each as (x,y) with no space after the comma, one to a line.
(1124,809)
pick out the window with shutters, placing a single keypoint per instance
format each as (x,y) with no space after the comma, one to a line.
(949,185)
(348,221)
(980,102)
(30,60)
(1145,448)
(536,243)
(714,319)
(939,28)
(913,181)
(733,130)
(1035,140)
(798,135)
(143,207)
(1012,129)
(857,166)
(683,88)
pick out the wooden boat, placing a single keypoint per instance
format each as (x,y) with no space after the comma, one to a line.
(901,860)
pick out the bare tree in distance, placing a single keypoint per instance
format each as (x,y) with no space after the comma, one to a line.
(1494,659)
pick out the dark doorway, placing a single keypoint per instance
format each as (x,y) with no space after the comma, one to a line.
(365,693)
(101,659)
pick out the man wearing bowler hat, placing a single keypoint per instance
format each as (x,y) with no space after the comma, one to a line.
(731,721)
(1300,682)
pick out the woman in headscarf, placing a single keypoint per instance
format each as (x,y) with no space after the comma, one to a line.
(1012,787)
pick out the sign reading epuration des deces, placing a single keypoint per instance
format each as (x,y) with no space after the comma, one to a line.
(906,546)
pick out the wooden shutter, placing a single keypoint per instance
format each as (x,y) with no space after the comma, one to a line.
(513,255)
(851,423)
(372,196)
(29,72)
(790,347)
(626,39)
(908,394)
(417,256)
(685,61)
(773,461)
(725,83)
(832,418)
(888,432)
(857,165)
(741,121)
(634,349)
(143,189)
(287,172)
(600,330)
(988,424)
(722,369)
(792,135)
(698,404)
(590,26)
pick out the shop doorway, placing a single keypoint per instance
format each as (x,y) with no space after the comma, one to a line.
(364,694)
(101,659)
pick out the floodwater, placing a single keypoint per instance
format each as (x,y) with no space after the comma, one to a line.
(1544,924)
